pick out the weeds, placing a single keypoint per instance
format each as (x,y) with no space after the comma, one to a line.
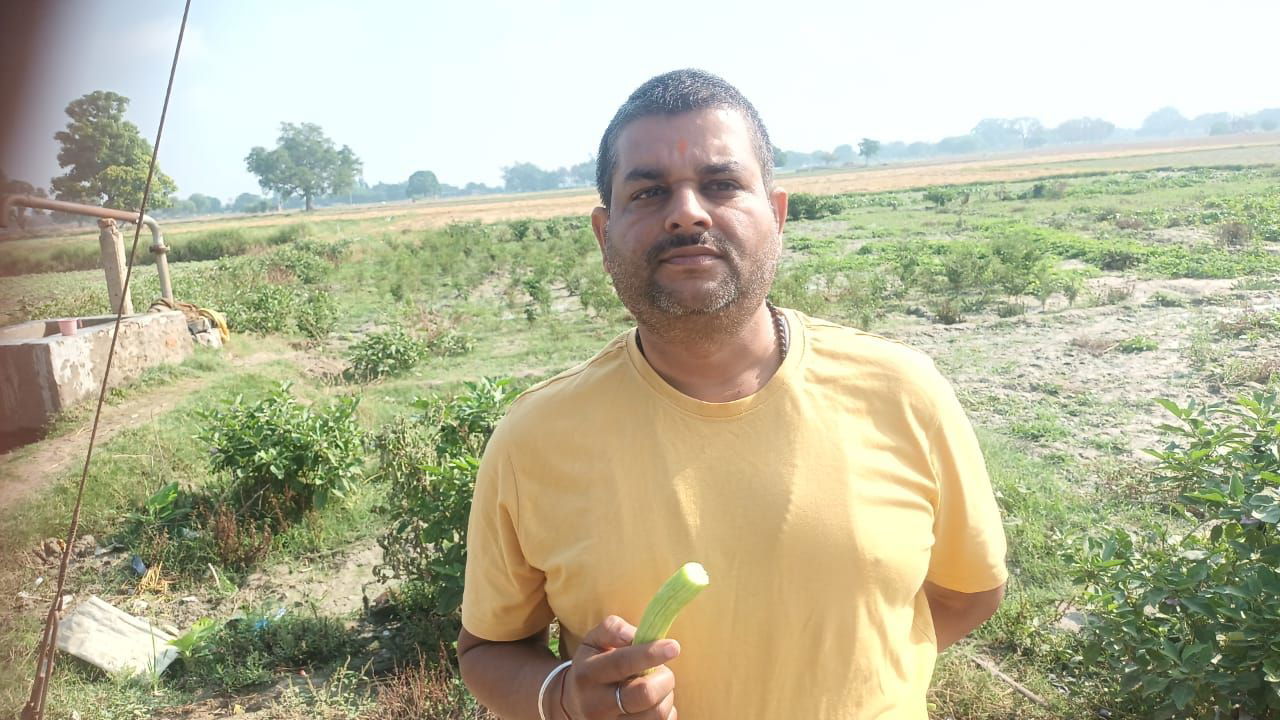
(249,649)
(426,690)
(1137,344)
(385,354)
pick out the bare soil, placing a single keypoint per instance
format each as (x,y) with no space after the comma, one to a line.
(1069,362)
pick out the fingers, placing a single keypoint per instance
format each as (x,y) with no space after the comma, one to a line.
(652,691)
(612,632)
(648,697)
(606,668)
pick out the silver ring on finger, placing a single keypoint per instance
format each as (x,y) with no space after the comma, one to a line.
(617,695)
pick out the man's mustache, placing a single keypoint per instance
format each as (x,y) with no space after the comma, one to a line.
(673,242)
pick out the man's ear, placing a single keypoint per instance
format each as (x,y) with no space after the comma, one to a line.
(599,223)
(779,200)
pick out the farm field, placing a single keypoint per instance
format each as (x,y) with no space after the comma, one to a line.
(1061,295)
(60,247)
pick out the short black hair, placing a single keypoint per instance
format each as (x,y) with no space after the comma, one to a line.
(672,93)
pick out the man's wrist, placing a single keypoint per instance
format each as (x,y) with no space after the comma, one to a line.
(549,695)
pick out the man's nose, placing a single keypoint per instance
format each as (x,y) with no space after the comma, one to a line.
(685,212)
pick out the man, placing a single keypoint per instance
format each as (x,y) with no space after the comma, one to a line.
(827,479)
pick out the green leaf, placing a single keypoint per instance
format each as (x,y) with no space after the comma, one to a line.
(1152,684)
(1270,515)
(1182,694)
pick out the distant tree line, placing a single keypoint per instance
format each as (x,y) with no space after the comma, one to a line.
(106,159)
(1006,134)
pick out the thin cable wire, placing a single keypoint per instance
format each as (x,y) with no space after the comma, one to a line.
(34,709)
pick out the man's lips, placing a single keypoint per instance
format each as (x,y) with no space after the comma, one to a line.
(695,255)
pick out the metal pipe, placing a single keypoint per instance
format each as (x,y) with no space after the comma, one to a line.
(158,248)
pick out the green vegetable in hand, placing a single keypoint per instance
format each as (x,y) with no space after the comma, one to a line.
(674,594)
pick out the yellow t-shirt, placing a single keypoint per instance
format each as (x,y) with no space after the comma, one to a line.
(818,505)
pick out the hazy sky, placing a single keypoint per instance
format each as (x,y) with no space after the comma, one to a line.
(464,88)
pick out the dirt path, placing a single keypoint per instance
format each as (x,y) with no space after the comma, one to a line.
(25,470)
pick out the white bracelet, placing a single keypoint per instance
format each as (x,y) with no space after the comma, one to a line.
(542,692)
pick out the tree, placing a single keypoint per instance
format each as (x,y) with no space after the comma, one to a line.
(1086,130)
(527,177)
(584,173)
(824,158)
(305,162)
(107,156)
(779,156)
(843,154)
(249,203)
(996,133)
(868,149)
(205,203)
(422,184)
(1000,133)
(1163,122)
(957,144)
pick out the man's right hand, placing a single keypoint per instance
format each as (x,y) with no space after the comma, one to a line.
(605,661)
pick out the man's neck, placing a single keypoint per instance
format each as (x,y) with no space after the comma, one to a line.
(715,367)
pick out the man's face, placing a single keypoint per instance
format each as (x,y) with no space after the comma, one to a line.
(691,229)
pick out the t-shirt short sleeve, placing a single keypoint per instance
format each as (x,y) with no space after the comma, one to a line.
(969,543)
(503,597)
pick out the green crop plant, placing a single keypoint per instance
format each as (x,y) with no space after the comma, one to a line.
(285,458)
(386,353)
(1184,615)
(1137,344)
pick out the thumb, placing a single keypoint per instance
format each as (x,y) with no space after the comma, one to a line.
(612,632)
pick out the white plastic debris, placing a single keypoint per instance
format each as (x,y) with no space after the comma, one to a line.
(111,639)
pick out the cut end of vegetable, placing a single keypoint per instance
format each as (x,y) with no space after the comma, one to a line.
(670,599)
(694,573)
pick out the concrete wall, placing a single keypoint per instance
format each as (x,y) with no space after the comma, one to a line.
(42,376)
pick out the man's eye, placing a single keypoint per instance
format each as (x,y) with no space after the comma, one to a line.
(647,193)
(722,186)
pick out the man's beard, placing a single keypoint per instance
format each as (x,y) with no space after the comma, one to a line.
(721,308)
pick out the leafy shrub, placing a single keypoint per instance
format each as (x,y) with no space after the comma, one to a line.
(430,462)
(940,197)
(267,308)
(806,206)
(946,310)
(1010,309)
(317,315)
(1186,619)
(450,342)
(1137,344)
(598,297)
(1046,190)
(387,353)
(285,458)
(1071,284)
